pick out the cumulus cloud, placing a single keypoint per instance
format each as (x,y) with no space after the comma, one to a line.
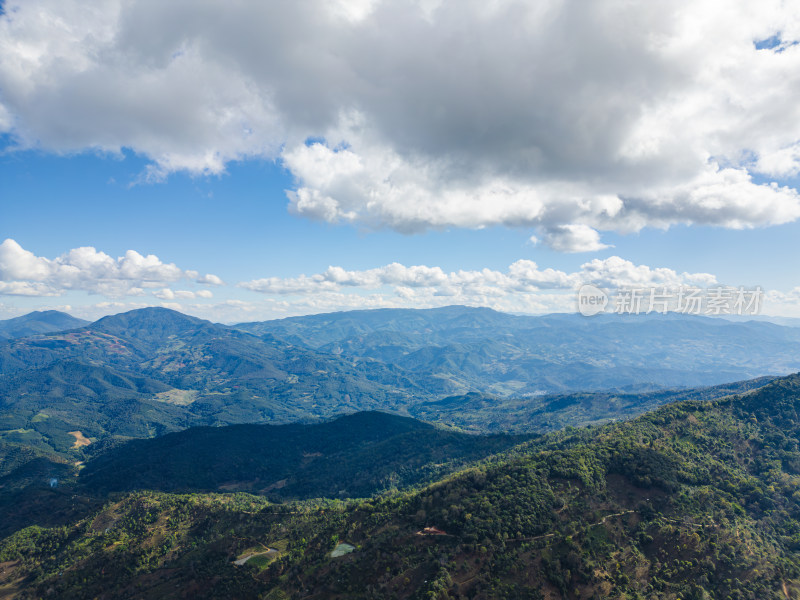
(25,288)
(169,294)
(209,279)
(563,117)
(616,272)
(23,273)
(524,287)
(573,238)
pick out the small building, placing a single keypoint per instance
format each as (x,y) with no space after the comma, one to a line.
(431,531)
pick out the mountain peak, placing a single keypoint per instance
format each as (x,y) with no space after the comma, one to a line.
(148,323)
(38,322)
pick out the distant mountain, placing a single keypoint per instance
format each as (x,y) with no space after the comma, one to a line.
(696,500)
(465,349)
(38,322)
(321,329)
(152,371)
(484,414)
(355,455)
(153,325)
(785,321)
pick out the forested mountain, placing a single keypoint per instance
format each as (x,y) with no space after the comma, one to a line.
(480,413)
(356,455)
(477,349)
(694,500)
(152,371)
(38,322)
(41,406)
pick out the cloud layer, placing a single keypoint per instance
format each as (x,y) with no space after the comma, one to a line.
(524,287)
(135,280)
(22,273)
(560,116)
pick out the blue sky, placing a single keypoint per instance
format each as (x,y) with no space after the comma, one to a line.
(508,184)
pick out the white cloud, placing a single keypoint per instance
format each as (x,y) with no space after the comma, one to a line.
(616,272)
(573,238)
(209,279)
(566,118)
(25,288)
(782,303)
(524,287)
(169,294)
(18,263)
(784,162)
(87,269)
(776,303)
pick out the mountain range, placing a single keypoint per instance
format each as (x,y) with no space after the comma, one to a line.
(477,349)
(152,371)
(154,454)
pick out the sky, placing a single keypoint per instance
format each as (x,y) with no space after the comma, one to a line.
(244,161)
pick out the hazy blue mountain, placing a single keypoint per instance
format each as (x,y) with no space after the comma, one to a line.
(483,413)
(38,322)
(477,349)
(785,321)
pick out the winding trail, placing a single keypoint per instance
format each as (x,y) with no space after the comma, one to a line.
(548,535)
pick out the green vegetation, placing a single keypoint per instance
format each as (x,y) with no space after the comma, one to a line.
(149,372)
(694,500)
(481,414)
(353,456)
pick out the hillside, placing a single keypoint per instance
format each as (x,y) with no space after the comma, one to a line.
(190,372)
(41,406)
(38,322)
(694,500)
(467,349)
(356,455)
(480,413)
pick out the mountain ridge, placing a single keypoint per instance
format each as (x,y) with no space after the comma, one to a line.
(38,322)
(368,451)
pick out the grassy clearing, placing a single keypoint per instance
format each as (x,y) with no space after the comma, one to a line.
(80,439)
(177,397)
